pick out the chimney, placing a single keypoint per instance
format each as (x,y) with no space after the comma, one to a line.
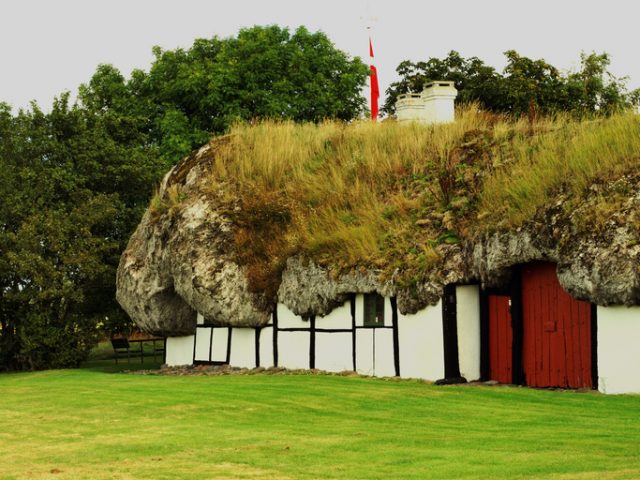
(433,105)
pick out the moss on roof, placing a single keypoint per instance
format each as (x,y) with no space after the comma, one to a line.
(388,196)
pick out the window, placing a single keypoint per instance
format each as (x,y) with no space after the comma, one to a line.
(373,310)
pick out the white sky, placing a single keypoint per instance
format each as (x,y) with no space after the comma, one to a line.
(48,46)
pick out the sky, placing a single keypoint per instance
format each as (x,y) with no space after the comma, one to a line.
(51,46)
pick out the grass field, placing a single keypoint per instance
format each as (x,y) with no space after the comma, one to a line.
(90,423)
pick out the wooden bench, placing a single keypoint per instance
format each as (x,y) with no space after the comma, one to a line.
(122,347)
(125,346)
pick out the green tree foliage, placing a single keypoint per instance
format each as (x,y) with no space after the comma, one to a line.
(525,86)
(264,72)
(74,185)
(74,182)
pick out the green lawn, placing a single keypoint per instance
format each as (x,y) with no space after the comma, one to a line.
(88,423)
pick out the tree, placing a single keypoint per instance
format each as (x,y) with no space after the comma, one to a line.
(594,89)
(264,72)
(75,181)
(525,86)
(473,79)
(74,185)
(530,84)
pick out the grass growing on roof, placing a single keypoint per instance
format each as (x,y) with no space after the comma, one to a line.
(389,195)
(572,155)
(82,424)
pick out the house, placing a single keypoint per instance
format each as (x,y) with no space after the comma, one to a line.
(366,334)
(551,303)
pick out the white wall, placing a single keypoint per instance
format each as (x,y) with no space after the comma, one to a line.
(293,349)
(339,317)
(618,349)
(421,344)
(374,346)
(266,347)
(384,365)
(203,343)
(287,319)
(219,346)
(359,310)
(364,350)
(468,319)
(374,352)
(334,351)
(388,313)
(179,350)
(243,348)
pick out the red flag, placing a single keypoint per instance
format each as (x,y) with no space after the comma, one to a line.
(375,89)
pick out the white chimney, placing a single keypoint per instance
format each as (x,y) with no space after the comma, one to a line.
(433,105)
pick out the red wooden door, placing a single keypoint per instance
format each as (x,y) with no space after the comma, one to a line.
(556,349)
(500,339)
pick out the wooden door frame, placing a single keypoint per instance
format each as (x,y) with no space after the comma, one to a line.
(517,325)
(594,346)
(450,334)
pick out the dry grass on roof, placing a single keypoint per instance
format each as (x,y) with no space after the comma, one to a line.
(387,195)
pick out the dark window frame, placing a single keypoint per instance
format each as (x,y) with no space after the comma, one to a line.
(373,311)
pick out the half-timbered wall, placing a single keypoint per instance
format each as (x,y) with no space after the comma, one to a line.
(293,339)
(375,354)
(334,340)
(410,346)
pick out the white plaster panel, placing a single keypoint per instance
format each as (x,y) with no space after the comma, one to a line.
(334,351)
(179,350)
(383,355)
(288,319)
(199,319)
(220,344)
(468,320)
(421,344)
(364,351)
(359,310)
(339,317)
(243,348)
(266,347)
(293,349)
(618,350)
(203,343)
(388,312)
